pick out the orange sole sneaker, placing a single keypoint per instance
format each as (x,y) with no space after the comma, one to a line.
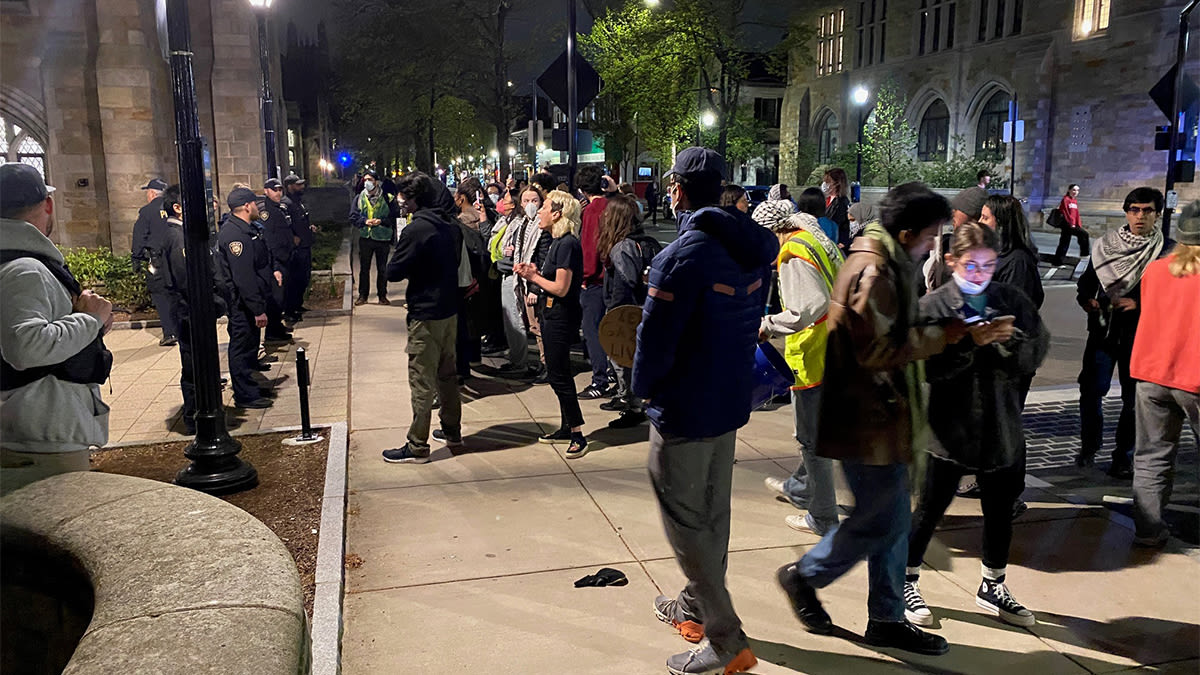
(690,630)
(742,662)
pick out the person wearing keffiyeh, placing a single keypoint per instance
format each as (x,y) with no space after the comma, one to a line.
(1110,292)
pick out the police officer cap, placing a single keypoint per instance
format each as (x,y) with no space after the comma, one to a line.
(21,186)
(155,184)
(240,197)
(272,184)
(698,164)
(293,179)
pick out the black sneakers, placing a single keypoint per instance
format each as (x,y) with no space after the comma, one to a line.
(593,392)
(805,604)
(994,597)
(904,635)
(628,420)
(915,609)
(562,435)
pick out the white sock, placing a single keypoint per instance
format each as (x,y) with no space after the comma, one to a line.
(912,571)
(993,574)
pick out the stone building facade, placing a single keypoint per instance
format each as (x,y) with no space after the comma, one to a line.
(88,82)
(1080,71)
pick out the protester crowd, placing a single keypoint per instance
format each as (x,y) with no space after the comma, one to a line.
(911,330)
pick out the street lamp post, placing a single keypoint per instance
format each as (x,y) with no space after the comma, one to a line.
(261,7)
(860,99)
(215,466)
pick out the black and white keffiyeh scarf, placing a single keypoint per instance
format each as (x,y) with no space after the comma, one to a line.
(1120,258)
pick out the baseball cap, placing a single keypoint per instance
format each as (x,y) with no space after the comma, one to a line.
(970,202)
(155,184)
(272,184)
(293,179)
(21,186)
(240,197)
(697,163)
(371,173)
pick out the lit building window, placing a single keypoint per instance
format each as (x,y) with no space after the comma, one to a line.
(1091,17)
(291,138)
(989,133)
(830,42)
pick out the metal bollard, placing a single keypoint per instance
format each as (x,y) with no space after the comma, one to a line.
(306,432)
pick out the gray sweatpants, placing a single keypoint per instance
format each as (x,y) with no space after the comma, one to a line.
(1160,414)
(693,479)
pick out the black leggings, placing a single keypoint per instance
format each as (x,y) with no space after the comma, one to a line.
(371,249)
(557,336)
(999,491)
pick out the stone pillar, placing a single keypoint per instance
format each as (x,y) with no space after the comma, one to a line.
(237,143)
(124,76)
(75,151)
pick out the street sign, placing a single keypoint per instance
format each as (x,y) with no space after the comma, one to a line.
(554,82)
(1164,90)
(1008,131)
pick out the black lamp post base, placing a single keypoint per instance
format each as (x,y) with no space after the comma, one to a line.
(218,475)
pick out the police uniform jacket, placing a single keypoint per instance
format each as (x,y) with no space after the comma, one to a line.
(147,229)
(300,221)
(277,226)
(246,266)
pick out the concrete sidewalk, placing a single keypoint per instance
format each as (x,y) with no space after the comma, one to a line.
(468,562)
(147,404)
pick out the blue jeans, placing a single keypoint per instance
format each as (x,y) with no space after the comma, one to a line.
(591,299)
(811,486)
(1095,379)
(877,530)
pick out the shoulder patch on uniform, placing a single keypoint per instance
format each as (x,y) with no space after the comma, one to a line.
(235,247)
(163,213)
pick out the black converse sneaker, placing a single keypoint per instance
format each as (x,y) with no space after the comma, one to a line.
(995,598)
(915,609)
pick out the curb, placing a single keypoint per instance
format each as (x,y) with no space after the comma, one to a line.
(326,635)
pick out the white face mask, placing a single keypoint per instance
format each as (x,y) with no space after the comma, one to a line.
(369,185)
(531,210)
(825,188)
(970,287)
(494,197)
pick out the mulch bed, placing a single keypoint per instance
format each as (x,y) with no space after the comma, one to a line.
(291,483)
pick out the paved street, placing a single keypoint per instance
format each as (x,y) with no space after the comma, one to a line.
(468,562)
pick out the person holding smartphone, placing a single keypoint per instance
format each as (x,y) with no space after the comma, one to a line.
(975,413)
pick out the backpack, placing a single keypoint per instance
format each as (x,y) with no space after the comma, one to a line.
(648,247)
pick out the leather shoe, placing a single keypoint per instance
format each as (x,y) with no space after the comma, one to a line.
(360,301)
(803,598)
(257,404)
(263,367)
(168,341)
(1120,472)
(384,301)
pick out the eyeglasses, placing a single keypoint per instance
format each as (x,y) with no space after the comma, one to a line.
(973,267)
(1137,210)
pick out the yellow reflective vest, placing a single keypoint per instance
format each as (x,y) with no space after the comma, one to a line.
(805,350)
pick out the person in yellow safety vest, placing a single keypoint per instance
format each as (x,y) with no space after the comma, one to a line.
(807,266)
(372,216)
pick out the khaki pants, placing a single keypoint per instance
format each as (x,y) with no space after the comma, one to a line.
(432,369)
(18,469)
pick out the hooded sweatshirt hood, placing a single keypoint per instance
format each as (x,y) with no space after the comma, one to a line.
(747,242)
(18,235)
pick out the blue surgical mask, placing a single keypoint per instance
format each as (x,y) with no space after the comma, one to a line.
(970,287)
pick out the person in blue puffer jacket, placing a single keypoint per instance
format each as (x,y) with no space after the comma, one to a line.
(694,368)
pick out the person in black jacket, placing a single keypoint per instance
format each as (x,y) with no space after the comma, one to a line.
(1110,292)
(836,186)
(428,256)
(1018,261)
(151,222)
(624,249)
(245,265)
(975,405)
(277,232)
(300,267)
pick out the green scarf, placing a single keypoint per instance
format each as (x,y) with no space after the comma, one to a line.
(914,372)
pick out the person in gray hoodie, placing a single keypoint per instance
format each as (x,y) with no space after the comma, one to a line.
(53,357)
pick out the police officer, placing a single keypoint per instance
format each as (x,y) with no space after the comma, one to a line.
(295,280)
(277,230)
(151,222)
(172,265)
(245,265)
